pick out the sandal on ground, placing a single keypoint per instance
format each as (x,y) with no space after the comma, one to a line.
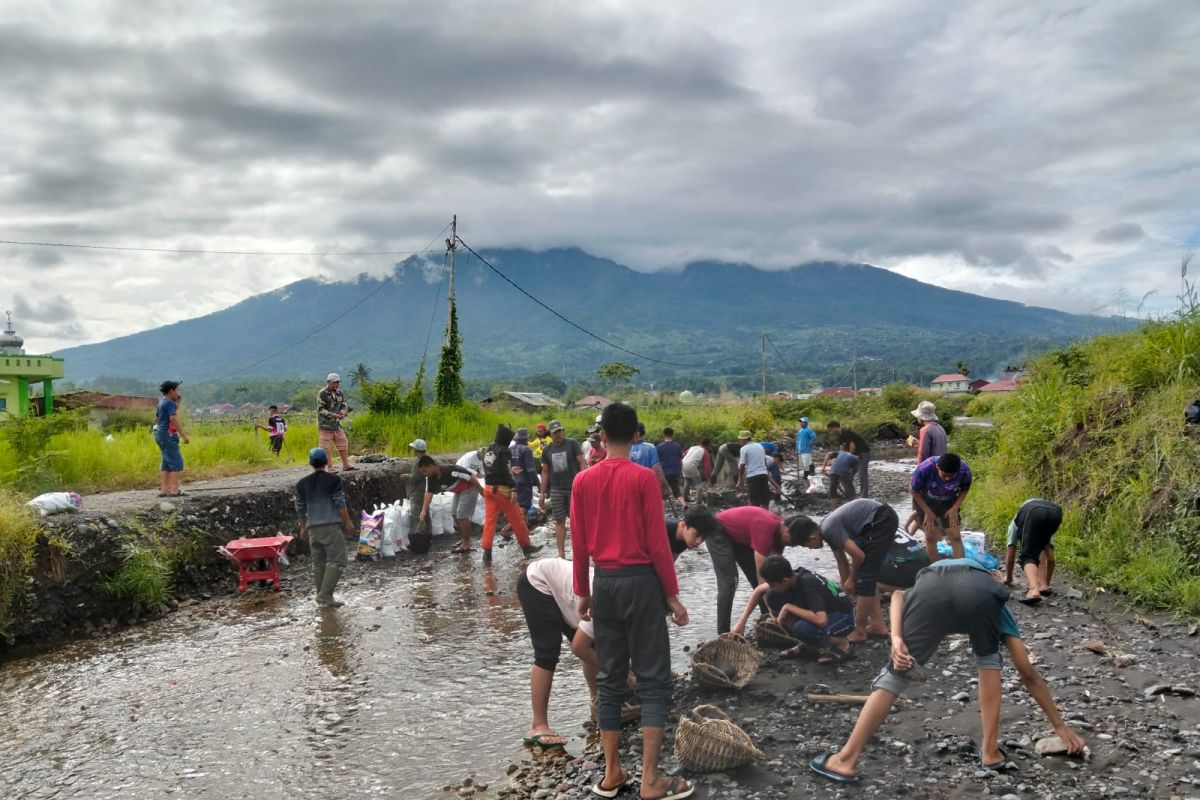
(538,740)
(1030,601)
(999,766)
(600,791)
(1047,591)
(817,765)
(460,549)
(349,469)
(797,651)
(677,789)
(833,656)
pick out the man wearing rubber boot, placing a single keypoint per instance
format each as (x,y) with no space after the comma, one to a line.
(950,596)
(321,508)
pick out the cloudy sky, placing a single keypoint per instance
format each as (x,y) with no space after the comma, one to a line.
(1042,152)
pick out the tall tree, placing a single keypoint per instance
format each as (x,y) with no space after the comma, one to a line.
(448,383)
(962,368)
(617,373)
(360,376)
(415,401)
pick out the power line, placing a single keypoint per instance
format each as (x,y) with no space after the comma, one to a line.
(217,252)
(573,324)
(387,280)
(787,365)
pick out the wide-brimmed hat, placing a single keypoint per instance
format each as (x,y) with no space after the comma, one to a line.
(925,411)
(418,445)
(745,435)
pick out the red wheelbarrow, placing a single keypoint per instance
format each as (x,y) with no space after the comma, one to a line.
(257,559)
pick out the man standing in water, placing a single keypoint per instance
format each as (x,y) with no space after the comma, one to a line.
(805,437)
(562,460)
(617,523)
(321,509)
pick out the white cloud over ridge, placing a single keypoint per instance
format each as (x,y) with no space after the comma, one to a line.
(1046,153)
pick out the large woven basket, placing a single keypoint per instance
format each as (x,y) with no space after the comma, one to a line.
(706,740)
(769,633)
(727,662)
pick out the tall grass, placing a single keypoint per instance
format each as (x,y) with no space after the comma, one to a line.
(1099,428)
(18,537)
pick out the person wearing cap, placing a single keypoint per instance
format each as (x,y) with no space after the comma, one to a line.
(645,454)
(331,410)
(752,471)
(939,485)
(540,440)
(168,433)
(498,492)
(322,510)
(931,442)
(805,437)
(417,523)
(524,470)
(562,460)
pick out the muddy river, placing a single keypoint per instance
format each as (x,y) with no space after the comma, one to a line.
(422,679)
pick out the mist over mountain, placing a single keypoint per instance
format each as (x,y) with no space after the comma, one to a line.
(826,321)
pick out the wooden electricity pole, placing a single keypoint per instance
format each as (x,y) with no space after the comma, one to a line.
(452,246)
(762,354)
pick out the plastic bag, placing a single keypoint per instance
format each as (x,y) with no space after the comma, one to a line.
(370,536)
(477,517)
(816,485)
(972,549)
(393,535)
(56,503)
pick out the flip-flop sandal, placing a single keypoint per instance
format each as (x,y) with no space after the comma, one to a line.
(1001,766)
(677,789)
(1030,601)
(796,651)
(350,469)
(461,550)
(829,658)
(817,765)
(1047,591)
(600,791)
(536,741)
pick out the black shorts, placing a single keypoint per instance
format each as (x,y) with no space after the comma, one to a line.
(276,444)
(940,509)
(759,489)
(674,482)
(547,628)
(901,574)
(875,540)
(1039,525)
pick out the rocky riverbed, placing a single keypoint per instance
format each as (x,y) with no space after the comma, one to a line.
(1141,721)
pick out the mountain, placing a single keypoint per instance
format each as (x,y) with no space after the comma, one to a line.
(825,321)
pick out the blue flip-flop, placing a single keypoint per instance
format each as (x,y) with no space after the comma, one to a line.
(817,765)
(1000,767)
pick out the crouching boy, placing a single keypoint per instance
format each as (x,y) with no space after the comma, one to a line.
(815,610)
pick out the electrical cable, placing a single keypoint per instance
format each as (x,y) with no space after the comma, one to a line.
(437,296)
(786,365)
(218,252)
(573,324)
(386,281)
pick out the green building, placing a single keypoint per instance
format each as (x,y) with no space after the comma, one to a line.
(19,370)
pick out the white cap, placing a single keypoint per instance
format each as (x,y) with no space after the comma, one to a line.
(334,377)
(418,444)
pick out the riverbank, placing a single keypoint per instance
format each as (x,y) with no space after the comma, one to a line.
(1141,722)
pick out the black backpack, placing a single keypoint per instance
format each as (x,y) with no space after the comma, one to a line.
(1192,413)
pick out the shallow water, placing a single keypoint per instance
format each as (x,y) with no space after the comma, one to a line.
(421,680)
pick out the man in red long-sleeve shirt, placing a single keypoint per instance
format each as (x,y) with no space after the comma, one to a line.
(616,522)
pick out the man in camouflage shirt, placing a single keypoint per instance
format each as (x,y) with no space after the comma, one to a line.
(331,410)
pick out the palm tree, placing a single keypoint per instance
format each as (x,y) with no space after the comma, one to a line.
(360,375)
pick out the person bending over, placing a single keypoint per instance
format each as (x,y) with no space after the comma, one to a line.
(939,486)
(950,596)
(1033,528)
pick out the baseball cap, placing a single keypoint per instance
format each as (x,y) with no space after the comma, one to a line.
(804,419)
(418,444)
(318,456)
(555,426)
(333,376)
(522,434)
(167,386)
(745,435)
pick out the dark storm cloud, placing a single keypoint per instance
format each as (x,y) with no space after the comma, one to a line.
(48,315)
(1120,233)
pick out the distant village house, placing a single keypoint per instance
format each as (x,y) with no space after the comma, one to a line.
(951,382)
(597,401)
(532,402)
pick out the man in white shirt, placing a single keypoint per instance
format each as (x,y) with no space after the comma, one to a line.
(466,496)
(752,471)
(693,468)
(546,591)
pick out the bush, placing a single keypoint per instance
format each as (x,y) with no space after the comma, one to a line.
(143,580)
(18,539)
(127,420)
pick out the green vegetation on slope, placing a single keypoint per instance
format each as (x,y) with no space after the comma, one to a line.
(1099,428)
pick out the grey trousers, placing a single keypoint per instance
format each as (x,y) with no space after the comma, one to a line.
(727,556)
(629,615)
(327,545)
(864,459)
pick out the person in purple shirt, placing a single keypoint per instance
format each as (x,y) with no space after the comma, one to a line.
(670,457)
(939,485)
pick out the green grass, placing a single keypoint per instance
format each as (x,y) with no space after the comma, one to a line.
(1099,428)
(144,579)
(18,538)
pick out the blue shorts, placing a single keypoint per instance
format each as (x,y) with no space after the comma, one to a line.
(172,459)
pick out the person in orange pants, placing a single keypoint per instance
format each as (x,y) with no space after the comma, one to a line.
(498,495)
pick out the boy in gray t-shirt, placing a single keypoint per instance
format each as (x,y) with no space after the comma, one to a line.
(562,460)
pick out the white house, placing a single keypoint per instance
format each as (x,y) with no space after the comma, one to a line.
(951,382)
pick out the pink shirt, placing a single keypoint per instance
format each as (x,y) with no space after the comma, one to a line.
(752,526)
(617,521)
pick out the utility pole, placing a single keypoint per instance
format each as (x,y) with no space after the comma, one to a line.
(762,354)
(452,246)
(854,367)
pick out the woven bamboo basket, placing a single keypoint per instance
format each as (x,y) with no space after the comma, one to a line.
(769,633)
(706,740)
(727,662)
(631,711)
